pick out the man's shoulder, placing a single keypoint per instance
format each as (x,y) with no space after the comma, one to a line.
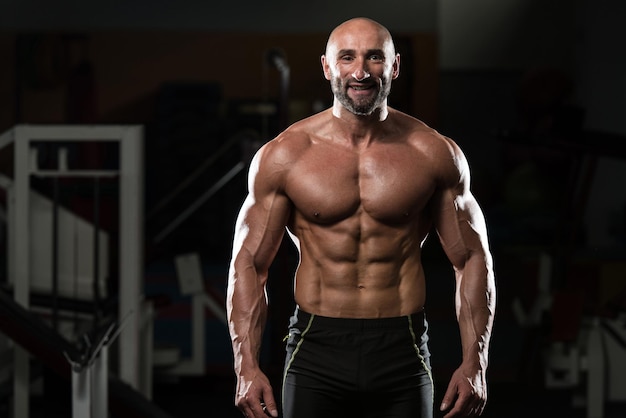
(300,134)
(441,152)
(423,136)
(290,144)
(413,126)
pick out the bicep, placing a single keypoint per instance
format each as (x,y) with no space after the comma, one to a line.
(459,220)
(261,221)
(460,225)
(260,229)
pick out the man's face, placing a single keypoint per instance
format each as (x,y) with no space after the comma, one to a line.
(360,63)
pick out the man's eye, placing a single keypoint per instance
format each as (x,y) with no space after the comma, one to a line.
(346,58)
(376,57)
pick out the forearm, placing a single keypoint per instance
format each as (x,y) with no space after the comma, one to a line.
(475,305)
(247,314)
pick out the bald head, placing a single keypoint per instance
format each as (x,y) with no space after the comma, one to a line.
(357,27)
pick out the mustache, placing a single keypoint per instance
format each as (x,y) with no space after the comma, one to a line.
(360,83)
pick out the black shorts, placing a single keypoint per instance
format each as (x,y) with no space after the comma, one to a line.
(376,368)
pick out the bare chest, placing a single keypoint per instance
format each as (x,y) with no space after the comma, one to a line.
(388,183)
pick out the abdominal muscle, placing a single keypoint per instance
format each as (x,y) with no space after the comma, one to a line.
(347,271)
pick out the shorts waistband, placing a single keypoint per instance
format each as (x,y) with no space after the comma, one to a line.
(400,322)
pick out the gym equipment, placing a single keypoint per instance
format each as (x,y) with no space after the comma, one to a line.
(25,251)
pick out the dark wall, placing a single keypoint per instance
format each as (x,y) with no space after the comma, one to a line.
(242,16)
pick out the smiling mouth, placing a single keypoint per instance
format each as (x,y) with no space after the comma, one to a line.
(361,87)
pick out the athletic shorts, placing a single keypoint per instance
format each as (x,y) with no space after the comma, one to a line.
(344,367)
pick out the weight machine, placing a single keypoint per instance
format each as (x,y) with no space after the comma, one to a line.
(26,214)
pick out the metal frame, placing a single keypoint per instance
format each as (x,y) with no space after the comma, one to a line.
(90,387)
(130,139)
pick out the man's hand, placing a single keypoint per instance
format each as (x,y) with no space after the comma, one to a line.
(466,395)
(254,396)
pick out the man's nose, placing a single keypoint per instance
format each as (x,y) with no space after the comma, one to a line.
(360,73)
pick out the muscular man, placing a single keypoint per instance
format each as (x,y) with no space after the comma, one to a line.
(358,187)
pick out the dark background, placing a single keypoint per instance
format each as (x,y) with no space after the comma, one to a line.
(533,92)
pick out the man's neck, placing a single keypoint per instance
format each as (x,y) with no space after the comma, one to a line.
(360,130)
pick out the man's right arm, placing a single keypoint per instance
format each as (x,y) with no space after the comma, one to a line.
(258,234)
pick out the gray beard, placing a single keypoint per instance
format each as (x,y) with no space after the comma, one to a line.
(364,107)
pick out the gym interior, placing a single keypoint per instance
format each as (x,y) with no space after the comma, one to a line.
(126,130)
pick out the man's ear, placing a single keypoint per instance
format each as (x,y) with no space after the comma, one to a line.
(396,67)
(325,67)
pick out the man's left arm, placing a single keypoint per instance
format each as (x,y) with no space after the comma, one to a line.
(462,231)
